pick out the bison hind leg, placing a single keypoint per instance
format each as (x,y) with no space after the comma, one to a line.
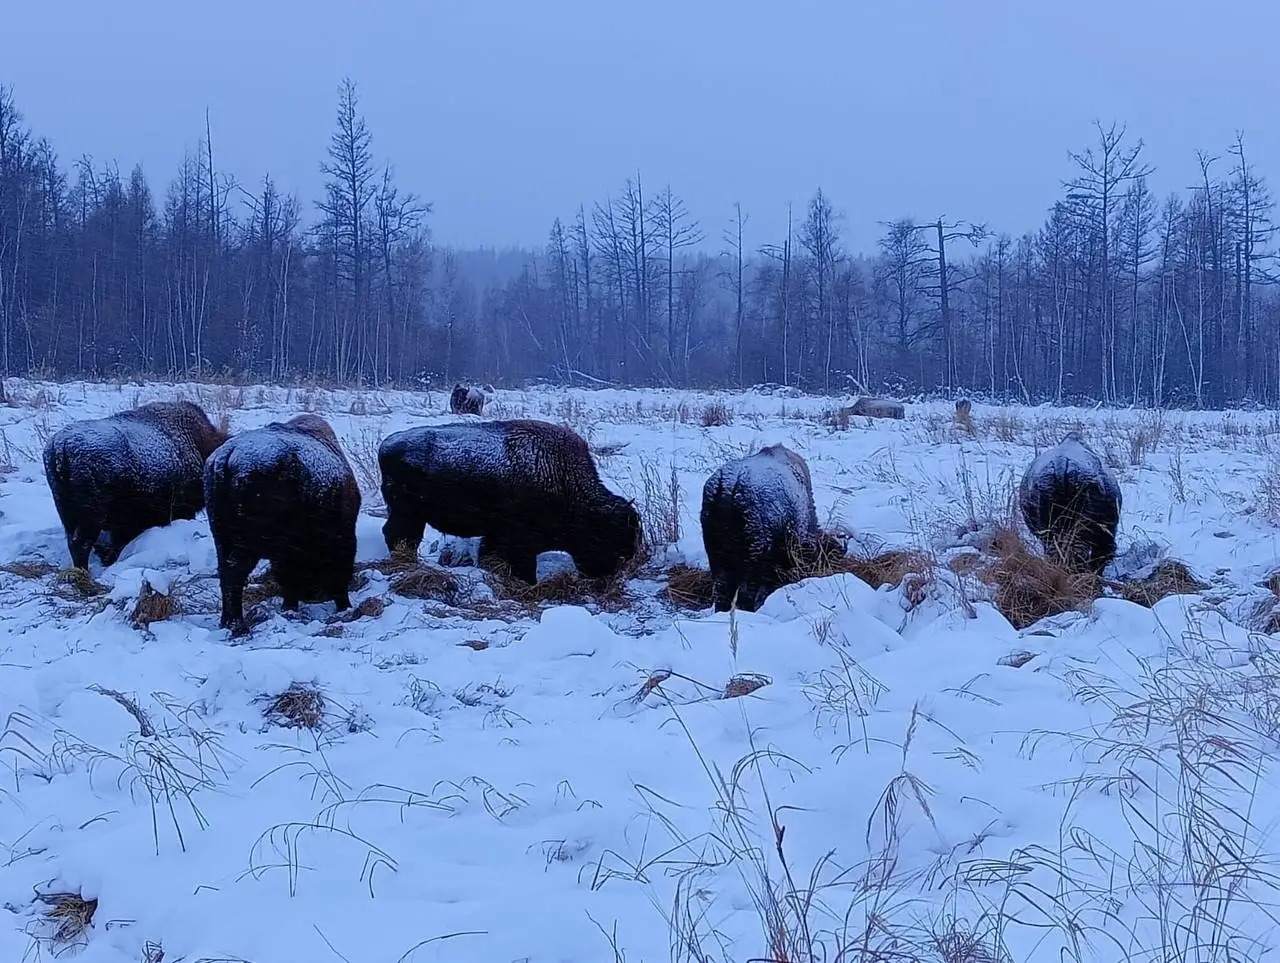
(233,574)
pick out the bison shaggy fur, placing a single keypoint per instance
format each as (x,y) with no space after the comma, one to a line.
(466,401)
(522,487)
(759,526)
(286,493)
(113,478)
(1071,502)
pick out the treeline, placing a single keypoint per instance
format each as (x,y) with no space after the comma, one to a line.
(1120,297)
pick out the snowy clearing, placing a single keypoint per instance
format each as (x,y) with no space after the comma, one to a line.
(914,779)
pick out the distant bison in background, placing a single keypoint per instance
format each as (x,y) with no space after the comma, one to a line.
(759,526)
(466,401)
(134,470)
(522,487)
(1071,502)
(286,493)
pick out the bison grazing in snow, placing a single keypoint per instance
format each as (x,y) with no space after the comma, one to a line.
(1071,502)
(522,487)
(466,401)
(286,493)
(759,524)
(118,476)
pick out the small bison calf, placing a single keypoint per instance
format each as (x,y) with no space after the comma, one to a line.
(1071,502)
(286,493)
(759,526)
(120,475)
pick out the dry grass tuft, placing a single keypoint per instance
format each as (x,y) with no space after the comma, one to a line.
(894,567)
(1171,577)
(370,608)
(152,606)
(76,584)
(397,563)
(689,587)
(562,588)
(966,563)
(255,593)
(300,706)
(716,415)
(33,570)
(744,685)
(427,582)
(651,684)
(1030,587)
(70,914)
(889,568)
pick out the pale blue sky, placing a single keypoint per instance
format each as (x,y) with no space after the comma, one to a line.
(506,113)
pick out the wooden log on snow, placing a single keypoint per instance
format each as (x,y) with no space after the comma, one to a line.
(877,408)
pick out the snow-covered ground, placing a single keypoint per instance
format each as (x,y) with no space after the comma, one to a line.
(917,780)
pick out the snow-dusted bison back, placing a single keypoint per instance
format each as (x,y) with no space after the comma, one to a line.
(118,476)
(758,519)
(1071,502)
(522,487)
(286,493)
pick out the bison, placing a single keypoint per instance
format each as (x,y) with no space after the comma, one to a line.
(466,401)
(759,526)
(286,493)
(118,476)
(1071,502)
(522,487)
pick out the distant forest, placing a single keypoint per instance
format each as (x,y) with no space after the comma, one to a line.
(1119,297)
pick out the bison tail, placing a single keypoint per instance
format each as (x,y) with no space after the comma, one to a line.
(217,488)
(57,467)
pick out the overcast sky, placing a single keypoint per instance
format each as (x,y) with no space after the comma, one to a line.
(507,113)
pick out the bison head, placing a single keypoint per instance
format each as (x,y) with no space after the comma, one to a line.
(613,540)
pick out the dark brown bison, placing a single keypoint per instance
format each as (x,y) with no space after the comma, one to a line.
(113,478)
(466,401)
(759,526)
(522,487)
(1071,502)
(286,493)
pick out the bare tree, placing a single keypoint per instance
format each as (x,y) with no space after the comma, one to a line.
(349,191)
(1094,193)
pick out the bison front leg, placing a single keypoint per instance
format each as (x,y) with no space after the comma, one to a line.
(520,560)
(723,589)
(81,541)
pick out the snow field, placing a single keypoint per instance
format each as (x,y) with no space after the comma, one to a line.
(577,789)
